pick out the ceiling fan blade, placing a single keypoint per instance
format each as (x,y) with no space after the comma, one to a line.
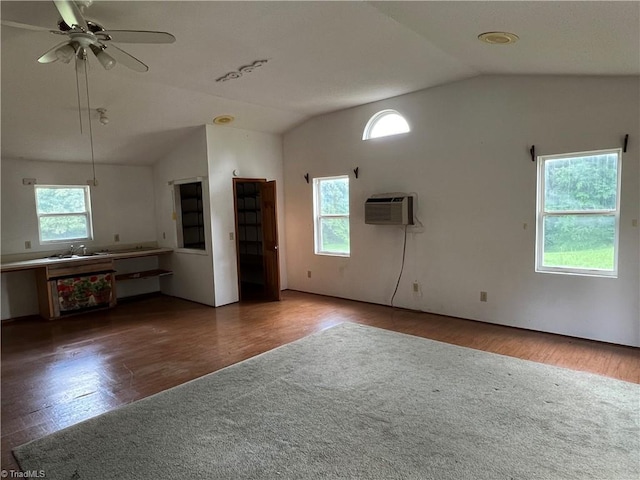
(26,26)
(50,55)
(70,13)
(126,59)
(139,36)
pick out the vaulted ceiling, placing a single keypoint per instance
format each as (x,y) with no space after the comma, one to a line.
(321,57)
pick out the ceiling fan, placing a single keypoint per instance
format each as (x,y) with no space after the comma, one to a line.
(84,35)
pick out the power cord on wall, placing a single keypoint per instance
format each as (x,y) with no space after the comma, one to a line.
(404,251)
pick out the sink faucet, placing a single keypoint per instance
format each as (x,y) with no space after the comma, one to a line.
(73,250)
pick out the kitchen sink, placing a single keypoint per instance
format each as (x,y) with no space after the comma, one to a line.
(66,256)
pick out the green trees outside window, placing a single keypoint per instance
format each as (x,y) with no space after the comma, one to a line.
(578,202)
(64,213)
(331,205)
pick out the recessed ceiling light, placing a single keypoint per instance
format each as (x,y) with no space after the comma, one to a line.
(223,119)
(498,38)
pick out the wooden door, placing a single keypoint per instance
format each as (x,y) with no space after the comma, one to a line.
(270,239)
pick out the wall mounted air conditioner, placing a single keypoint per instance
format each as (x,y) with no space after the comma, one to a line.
(389,210)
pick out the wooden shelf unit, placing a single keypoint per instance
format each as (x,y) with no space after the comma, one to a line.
(49,300)
(191,222)
(250,241)
(158,272)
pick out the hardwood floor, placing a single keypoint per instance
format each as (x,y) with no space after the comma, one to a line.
(56,374)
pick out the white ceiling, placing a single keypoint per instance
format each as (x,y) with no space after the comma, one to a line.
(322,56)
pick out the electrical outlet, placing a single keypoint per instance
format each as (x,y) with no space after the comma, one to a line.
(230,235)
(116,237)
(27,245)
(483,296)
(164,236)
(416,287)
(308,273)
(28,181)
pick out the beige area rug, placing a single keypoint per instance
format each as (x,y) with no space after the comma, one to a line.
(361,403)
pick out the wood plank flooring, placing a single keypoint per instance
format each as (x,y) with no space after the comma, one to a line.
(58,373)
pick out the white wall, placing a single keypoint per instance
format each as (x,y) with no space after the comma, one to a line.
(467,159)
(122,203)
(192,277)
(253,155)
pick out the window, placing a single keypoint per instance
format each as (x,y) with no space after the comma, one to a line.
(578,213)
(64,213)
(331,213)
(385,123)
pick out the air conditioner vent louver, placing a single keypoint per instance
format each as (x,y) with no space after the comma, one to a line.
(389,210)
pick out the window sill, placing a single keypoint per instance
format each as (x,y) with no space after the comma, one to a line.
(579,273)
(332,254)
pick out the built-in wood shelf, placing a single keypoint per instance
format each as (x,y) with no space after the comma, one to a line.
(143,274)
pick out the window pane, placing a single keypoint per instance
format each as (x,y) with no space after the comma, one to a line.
(334,235)
(60,200)
(579,241)
(66,227)
(581,183)
(334,197)
(390,124)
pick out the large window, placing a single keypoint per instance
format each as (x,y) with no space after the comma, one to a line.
(331,212)
(578,213)
(64,213)
(384,124)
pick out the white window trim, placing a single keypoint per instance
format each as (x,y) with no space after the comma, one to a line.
(541,214)
(317,217)
(86,213)
(366,135)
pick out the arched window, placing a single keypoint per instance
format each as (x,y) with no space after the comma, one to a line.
(385,123)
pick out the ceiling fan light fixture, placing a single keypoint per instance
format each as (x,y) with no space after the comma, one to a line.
(106,60)
(498,38)
(65,53)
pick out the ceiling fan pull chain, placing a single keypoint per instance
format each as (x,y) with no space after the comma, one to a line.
(93,163)
(78,91)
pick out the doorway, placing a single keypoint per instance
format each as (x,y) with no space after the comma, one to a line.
(257,239)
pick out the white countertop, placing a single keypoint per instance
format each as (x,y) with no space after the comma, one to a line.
(115,255)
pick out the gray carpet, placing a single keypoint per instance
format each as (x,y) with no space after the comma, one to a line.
(361,403)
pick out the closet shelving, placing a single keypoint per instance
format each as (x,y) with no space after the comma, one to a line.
(192,210)
(250,244)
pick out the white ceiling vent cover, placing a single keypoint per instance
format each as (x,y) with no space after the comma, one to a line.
(382,210)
